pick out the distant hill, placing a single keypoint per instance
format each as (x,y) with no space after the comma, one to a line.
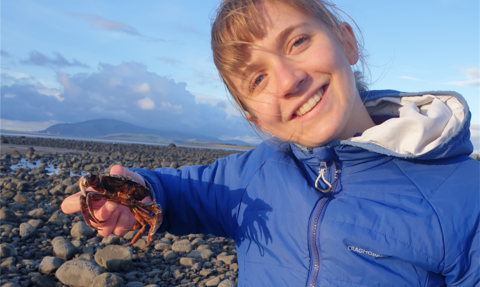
(114,129)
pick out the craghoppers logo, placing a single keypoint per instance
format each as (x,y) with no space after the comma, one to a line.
(363,251)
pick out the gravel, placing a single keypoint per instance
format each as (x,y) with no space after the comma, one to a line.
(41,246)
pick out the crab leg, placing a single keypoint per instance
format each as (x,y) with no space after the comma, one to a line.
(95,197)
(140,221)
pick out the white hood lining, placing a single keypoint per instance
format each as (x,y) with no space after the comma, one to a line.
(420,123)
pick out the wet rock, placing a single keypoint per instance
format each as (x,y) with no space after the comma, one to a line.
(7,215)
(182,246)
(50,264)
(81,230)
(107,280)
(78,272)
(63,248)
(7,250)
(26,230)
(115,258)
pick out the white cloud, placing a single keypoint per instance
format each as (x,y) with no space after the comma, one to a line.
(26,126)
(51,92)
(410,78)
(9,96)
(142,88)
(108,93)
(472,72)
(146,104)
(475,138)
(469,83)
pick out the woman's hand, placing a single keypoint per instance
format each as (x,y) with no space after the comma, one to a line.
(118,218)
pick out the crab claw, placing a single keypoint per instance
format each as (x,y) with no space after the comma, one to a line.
(83,184)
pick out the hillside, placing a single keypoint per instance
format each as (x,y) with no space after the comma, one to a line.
(114,129)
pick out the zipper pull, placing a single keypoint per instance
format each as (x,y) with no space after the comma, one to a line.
(321,174)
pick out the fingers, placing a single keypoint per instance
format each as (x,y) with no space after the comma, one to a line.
(125,221)
(71,204)
(118,169)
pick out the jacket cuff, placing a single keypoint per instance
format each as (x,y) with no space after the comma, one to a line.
(152,181)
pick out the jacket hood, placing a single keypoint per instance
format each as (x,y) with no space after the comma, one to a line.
(425,125)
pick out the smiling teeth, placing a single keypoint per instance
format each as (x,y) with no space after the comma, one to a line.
(310,104)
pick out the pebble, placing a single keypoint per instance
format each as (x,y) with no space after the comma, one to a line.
(81,230)
(7,250)
(26,230)
(63,248)
(194,260)
(78,272)
(182,246)
(50,264)
(134,284)
(227,283)
(213,282)
(107,280)
(115,258)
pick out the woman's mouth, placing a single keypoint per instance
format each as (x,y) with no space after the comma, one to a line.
(311,103)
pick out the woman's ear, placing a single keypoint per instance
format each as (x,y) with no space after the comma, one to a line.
(254,120)
(349,43)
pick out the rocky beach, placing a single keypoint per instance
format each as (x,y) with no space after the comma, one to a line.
(41,246)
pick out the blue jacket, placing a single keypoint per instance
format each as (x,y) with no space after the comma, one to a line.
(390,218)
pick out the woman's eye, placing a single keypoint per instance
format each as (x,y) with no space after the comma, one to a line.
(257,81)
(298,42)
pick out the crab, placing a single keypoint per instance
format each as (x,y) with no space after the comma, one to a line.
(122,190)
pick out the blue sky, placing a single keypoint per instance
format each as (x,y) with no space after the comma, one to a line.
(150,63)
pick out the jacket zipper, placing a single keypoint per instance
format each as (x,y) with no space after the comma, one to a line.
(314,253)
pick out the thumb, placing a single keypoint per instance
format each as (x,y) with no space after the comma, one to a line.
(118,169)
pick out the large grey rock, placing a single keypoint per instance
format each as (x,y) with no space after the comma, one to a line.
(108,280)
(7,250)
(72,189)
(26,230)
(50,264)
(182,246)
(134,284)
(115,258)
(20,198)
(78,272)
(169,254)
(111,239)
(63,248)
(81,230)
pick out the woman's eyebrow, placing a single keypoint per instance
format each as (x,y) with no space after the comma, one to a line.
(287,31)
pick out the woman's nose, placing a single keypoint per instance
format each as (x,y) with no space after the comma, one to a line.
(289,77)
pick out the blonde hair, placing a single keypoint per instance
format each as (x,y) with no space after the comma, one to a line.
(237,25)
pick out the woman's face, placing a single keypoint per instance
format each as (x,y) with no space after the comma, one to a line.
(298,83)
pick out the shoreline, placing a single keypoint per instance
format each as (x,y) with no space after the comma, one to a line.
(93,139)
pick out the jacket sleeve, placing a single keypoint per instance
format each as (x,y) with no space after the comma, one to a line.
(200,199)
(457,204)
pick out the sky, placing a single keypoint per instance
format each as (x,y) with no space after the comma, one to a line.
(150,63)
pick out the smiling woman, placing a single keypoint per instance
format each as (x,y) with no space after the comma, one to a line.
(358,188)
